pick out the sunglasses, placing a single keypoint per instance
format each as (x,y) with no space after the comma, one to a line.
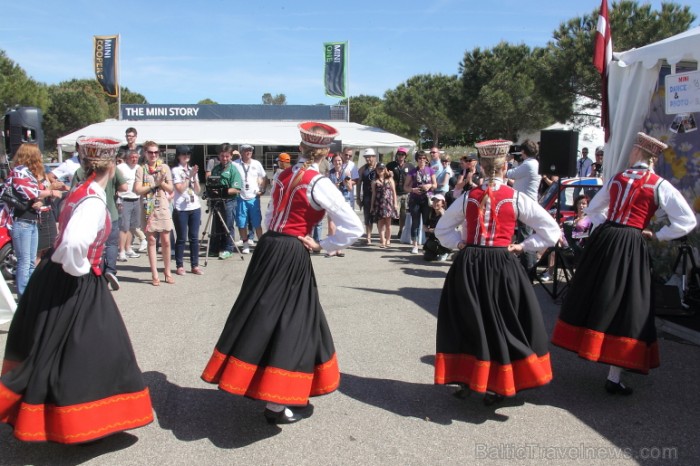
(153,152)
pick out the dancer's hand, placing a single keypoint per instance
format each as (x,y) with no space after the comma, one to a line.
(515,248)
(309,243)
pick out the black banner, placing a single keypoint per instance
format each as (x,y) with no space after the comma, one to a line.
(105,58)
(334,75)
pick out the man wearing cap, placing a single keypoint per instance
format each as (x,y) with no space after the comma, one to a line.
(607,315)
(367,174)
(597,170)
(253,177)
(284,161)
(399,169)
(231,180)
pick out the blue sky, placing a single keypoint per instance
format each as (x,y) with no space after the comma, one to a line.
(179,52)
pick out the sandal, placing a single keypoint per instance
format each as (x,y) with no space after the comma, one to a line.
(155,281)
(169,280)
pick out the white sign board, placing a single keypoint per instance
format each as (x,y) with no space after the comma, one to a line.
(683,93)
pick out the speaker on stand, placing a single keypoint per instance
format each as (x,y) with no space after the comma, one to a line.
(558,152)
(20,125)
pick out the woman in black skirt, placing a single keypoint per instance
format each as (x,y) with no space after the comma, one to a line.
(69,373)
(276,345)
(490,333)
(607,315)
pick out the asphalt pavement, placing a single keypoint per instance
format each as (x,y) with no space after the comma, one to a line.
(381,306)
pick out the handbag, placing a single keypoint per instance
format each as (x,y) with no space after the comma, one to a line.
(432,245)
(10,197)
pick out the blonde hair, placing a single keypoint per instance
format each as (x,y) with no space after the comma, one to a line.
(29,155)
(491,166)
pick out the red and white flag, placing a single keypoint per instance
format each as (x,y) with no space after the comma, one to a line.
(602,56)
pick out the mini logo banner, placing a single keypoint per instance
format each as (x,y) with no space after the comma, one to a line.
(335,54)
(105,58)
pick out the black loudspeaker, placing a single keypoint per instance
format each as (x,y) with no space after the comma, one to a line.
(336,146)
(558,149)
(22,124)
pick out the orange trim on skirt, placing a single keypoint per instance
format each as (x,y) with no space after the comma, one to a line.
(609,349)
(271,383)
(504,379)
(76,423)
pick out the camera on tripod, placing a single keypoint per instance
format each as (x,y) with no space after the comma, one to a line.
(215,190)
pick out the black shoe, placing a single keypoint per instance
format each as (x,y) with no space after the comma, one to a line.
(298,413)
(491,398)
(617,388)
(462,392)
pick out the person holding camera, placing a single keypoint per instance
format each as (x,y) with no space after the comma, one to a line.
(420,183)
(607,316)
(229,179)
(187,211)
(276,345)
(154,183)
(468,177)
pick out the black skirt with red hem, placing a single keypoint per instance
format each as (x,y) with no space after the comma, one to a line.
(276,345)
(607,314)
(490,333)
(69,373)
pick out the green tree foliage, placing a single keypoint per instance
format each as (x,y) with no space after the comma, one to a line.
(423,104)
(566,72)
(500,97)
(269,99)
(70,110)
(361,106)
(207,101)
(16,88)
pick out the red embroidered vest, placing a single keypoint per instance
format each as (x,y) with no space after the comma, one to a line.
(75,197)
(633,200)
(496,225)
(292,213)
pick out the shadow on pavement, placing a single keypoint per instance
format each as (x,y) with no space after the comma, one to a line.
(12,451)
(228,421)
(426,298)
(423,401)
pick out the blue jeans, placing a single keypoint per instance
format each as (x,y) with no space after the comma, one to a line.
(187,227)
(420,209)
(25,240)
(111,250)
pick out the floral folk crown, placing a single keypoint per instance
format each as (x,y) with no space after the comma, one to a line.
(493,148)
(97,148)
(312,137)
(649,144)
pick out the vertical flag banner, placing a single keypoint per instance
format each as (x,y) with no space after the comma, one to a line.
(335,54)
(105,58)
(602,56)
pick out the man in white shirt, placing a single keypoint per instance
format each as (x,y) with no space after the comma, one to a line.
(583,165)
(130,211)
(526,180)
(253,179)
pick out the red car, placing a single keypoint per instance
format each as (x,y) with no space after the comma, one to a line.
(565,191)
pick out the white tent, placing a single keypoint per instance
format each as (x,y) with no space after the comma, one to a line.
(255,132)
(632,81)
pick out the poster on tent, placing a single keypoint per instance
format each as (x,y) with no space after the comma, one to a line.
(679,164)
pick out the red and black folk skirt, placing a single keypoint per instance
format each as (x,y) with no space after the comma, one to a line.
(69,374)
(276,345)
(607,315)
(490,332)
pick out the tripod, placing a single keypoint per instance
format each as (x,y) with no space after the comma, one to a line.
(685,255)
(215,206)
(560,262)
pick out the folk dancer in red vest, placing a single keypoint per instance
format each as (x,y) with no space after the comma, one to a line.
(607,315)
(491,337)
(276,345)
(69,373)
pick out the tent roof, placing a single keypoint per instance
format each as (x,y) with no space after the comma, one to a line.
(683,46)
(255,132)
